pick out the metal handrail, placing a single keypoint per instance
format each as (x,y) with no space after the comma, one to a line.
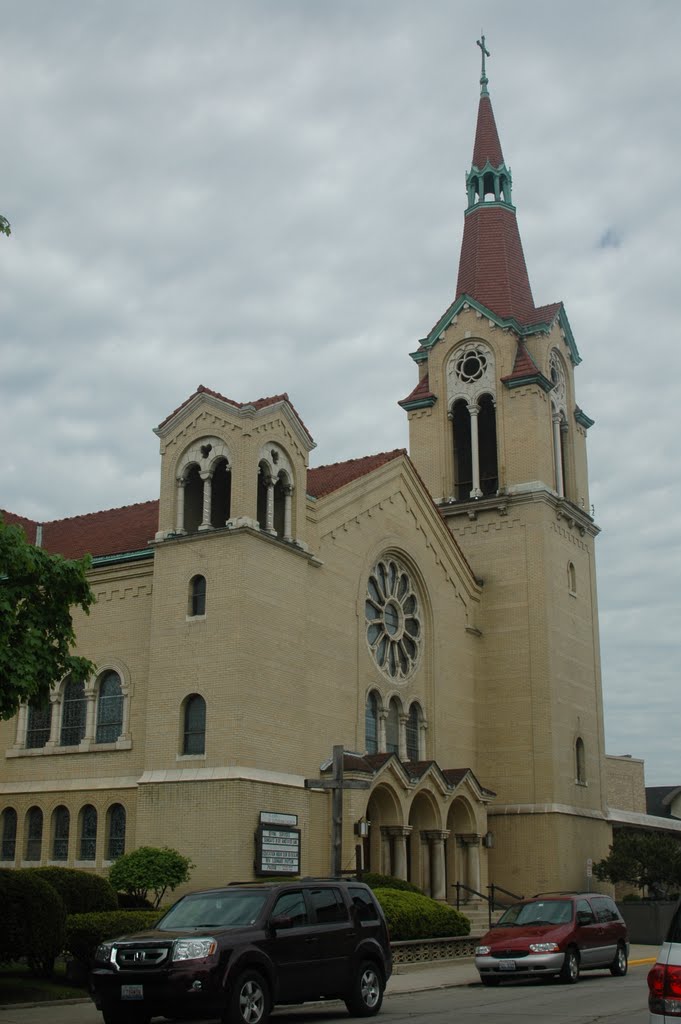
(490,900)
(460,887)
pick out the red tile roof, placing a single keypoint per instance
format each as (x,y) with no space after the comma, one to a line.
(323,480)
(524,365)
(422,390)
(113,532)
(487,145)
(259,403)
(492,264)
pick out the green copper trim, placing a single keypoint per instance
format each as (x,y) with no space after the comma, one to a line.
(530,378)
(489,204)
(418,403)
(126,556)
(582,418)
(522,330)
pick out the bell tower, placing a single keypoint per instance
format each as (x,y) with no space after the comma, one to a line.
(498,437)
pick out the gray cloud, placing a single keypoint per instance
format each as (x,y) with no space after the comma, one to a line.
(268,195)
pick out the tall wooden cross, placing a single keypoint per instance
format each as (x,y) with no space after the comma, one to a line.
(337,784)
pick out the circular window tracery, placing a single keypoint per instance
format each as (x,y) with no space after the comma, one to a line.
(393,619)
(471,365)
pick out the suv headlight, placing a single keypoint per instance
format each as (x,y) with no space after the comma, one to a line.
(104,953)
(544,947)
(482,950)
(193,949)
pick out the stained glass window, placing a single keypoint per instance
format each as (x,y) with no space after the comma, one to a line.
(109,708)
(194,725)
(73,715)
(116,837)
(9,834)
(88,833)
(38,726)
(34,833)
(61,821)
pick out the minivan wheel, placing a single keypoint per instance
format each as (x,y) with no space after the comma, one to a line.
(569,972)
(620,964)
(249,1000)
(367,991)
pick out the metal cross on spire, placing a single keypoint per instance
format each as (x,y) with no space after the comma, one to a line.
(484,53)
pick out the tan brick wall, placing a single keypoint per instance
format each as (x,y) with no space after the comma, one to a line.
(626,786)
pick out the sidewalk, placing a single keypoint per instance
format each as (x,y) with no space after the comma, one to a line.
(407,978)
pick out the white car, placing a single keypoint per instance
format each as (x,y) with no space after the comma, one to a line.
(664,979)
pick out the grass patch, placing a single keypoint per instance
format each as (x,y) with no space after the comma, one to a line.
(18,986)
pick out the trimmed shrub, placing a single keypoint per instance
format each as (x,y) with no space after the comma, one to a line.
(33,919)
(376,881)
(150,869)
(81,891)
(84,932)
(412,915)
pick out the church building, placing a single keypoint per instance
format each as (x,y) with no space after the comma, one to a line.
(430,614)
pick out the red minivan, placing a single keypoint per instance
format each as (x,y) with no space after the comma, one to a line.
(554,934)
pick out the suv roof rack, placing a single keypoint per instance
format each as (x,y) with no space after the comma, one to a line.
(556,892)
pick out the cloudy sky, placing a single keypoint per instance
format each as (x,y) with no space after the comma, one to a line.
(268,195)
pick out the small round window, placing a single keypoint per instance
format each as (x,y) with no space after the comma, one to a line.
(393,619)
(471,365)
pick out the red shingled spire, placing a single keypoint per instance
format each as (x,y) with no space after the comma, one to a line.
(492,266)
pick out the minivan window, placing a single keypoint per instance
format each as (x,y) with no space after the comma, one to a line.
(538,912)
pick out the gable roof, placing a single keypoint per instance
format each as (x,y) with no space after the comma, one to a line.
(259,403)
(322,480)
(111,532)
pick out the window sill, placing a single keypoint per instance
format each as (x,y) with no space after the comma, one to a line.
(584,785)
(84,863)
(86,747)
(196,618)
(190,757)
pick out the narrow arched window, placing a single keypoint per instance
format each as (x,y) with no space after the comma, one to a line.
(38,726)
(197,596)
(413,731)
(73,715)
(34,834)
(580,763)
(572,578)
(264,482)
(193,500)
(194,727)
(221,494)
(487,446)
(371,724)
(463,462)
(88,833)
(9,834)
(279,507)
(392,728)
(61,822)
(115,840)
(109,708)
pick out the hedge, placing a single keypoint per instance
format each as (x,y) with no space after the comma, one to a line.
(84,932)
(412,915)
(376,881)
(33,919)
(81,891)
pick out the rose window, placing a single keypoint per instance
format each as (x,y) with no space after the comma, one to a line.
(393,620)
(471,365)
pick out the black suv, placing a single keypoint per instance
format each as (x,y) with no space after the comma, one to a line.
(235,952)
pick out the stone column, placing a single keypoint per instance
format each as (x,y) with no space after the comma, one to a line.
(473,860)
(402,736)
(438,887)
(55,720)
(287,514)
(90,697)
(399,834)
(386,860)
(475,454)
(207,501)
(382,719)
(179,511)
(425,864)
(269,520)
(558,454)
(22,725)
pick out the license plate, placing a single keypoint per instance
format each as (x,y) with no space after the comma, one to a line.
(132,992)
(507,965)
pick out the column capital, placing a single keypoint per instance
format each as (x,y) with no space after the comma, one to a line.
(468,839)
(436,835)
(398,831)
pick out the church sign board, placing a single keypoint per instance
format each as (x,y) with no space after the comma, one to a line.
(277,844)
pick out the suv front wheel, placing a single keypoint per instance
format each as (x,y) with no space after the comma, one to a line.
(367,991)
(249,1000)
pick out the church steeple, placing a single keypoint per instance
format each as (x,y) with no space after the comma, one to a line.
(492,264)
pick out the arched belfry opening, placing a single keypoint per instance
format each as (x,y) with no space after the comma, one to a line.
(193,499)
(204,487)
(471,390)
(275,493)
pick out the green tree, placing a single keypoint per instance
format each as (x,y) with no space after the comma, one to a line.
(649,860)
(37,593)
(150,869)
(5,229)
